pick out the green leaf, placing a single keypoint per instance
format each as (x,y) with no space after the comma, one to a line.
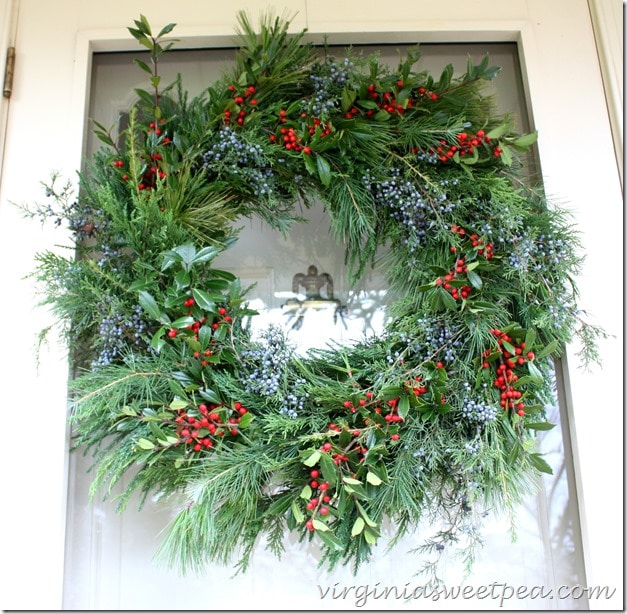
(329,469)
(549,349)
(203,300)
(348,97)
(351,481)
(145,96)
(403,406)
(449,302)
(370,536)
(324,170)
(499,131)
(143,66)
(319,525)
(506,155)
(530,339)
(305,493)
(298,514)
(358,526)
(525,140)
(364,515)
(373,478)
(539,426)
(210,395)
(540,464)
(313,458)
(331,541)
(145,444)
(245,420)
(149,305)
(187,253)
(183,322)
(166,30)
(475,280)
(514,453)
(178,404)
(206,254)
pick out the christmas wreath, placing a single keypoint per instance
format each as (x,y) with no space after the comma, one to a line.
(435,418)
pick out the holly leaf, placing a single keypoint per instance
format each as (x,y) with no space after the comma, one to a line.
(324,170)
(203,300)
(149,305)
(475,280)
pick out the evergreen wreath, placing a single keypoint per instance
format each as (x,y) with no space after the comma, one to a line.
(436,418)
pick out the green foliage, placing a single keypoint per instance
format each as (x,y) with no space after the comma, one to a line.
(435,418)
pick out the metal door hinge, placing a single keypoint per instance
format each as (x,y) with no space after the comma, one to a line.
(8,73)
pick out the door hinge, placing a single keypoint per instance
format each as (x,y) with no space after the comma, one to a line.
(8,73)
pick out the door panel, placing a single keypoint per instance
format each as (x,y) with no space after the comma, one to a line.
(109,561)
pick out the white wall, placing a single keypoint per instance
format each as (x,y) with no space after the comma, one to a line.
(44,133)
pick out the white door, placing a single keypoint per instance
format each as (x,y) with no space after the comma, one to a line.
(548,547)
(44,131)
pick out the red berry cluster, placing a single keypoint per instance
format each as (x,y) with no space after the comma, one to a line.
(203,427)
(465,144)
(291,140)
(478,243)
(154,171)
(223,319)
(457,292)
(353,453)
(243,99)
(322,500)
(512,355)
(387,100)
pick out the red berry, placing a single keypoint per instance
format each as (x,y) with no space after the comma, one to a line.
(172,333)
